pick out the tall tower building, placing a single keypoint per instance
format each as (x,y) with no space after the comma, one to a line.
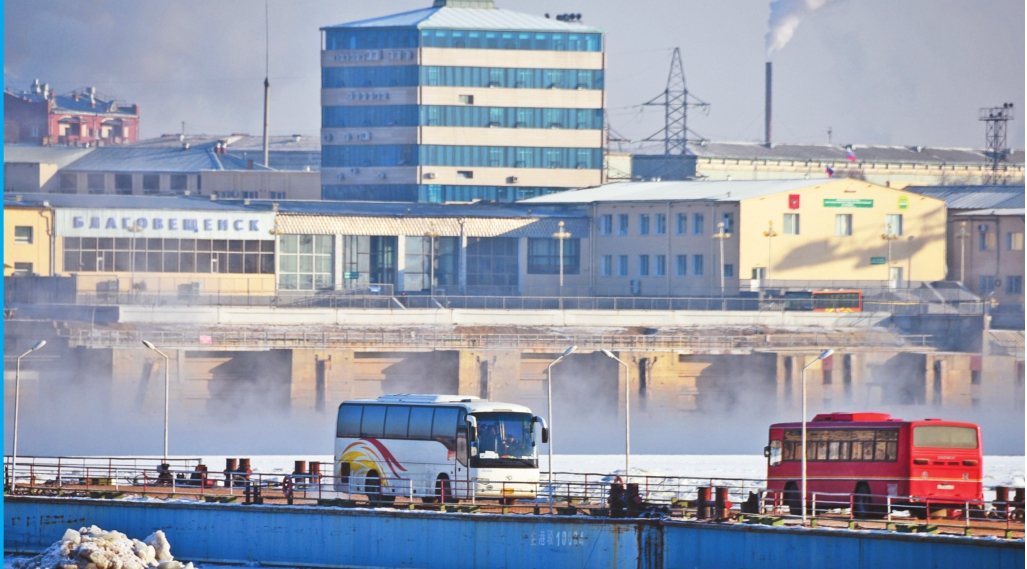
(458,102)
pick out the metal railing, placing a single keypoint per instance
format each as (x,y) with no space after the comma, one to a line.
(598,494)
(386,340)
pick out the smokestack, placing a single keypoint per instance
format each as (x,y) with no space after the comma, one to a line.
(769,106)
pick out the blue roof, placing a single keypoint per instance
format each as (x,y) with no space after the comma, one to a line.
(468,19)
(975,197)
(67,103)
(122,202)
(158,159)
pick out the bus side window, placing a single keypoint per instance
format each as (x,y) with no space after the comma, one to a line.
(444,426)
(775,453)
(396,421)
(461,446)
(373,422)
(349,421)
(420,423)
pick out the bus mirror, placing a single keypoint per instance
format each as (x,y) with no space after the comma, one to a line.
(766,451)
(545,431)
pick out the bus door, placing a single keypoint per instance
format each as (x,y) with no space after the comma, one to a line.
(462,486)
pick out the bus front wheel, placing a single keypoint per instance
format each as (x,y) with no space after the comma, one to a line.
(862,501)
(444,491)
(792,499)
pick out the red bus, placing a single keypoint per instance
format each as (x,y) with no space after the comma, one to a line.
(873,457)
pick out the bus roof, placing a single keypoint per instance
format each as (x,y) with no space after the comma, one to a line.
(469,402)
(855,420)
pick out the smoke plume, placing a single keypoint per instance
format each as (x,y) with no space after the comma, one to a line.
(785,16)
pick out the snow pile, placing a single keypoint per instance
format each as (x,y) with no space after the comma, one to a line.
(94,548)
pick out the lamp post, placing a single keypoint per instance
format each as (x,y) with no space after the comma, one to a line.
(150,345)
(720,236)
(888,236)
(823,355)
(560,235)
(770,234)
(17,392)
(431,234)
(549,389)
(963,235)
(627,415)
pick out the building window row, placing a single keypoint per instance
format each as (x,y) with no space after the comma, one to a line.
(387,155)
(655,265)
(647,223)
(122,254)
(433,193)
(460,116)
(124,184)
(341,39)
(305,262)
(544,256)
(447,76)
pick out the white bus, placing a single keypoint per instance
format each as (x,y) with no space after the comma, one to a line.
(437,447)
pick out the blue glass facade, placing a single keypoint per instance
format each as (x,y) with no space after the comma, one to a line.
(507,78)
(389,155)
(461,116)
(432,193)
(378,38)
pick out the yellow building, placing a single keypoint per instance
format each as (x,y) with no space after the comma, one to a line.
(28,239)
(666,238)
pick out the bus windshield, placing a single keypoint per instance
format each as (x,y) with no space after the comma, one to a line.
(504,439)
(944,437)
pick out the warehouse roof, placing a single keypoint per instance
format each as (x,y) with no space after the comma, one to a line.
(723,191)
(59,155)
(838,153)
(133,158)
(975,197)
(121,202)
(991,212)
(468,18)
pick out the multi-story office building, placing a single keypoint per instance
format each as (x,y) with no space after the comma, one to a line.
(458,102)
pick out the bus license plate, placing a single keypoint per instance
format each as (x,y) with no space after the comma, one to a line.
(946,487)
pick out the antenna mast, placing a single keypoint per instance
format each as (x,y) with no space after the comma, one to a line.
(267,84)
(995,138)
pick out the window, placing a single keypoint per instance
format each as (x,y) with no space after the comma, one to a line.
(681,265)
(682,223)
(69,182)
(697,224)
(622,265)
(276,195)
(643,265)
(397,417)
(606,266)
(729,222)
(791,224)
(643,224)
(250,195)
(493,263)
(420,423)
(144,255)
(843,224)
(22,270)
(544,256)
(179,182)
(34,131)
(622,224)
(697,265)
(606,224)
(349,421)
(1014,285)
(305,262)
(729,271)
(95,183)
(660,268)
(465,174)
(151,183)
(986,284)
(1014,241)
(661,224)
(893,224)
(846,445)
(944,437)
(759,273)
(443,426)
(23,235)
(372,424)
(985,238)
(467,99)
(123,184)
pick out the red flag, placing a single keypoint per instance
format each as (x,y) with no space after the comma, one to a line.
(793,201)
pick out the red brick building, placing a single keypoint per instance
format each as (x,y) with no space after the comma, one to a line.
(80,118)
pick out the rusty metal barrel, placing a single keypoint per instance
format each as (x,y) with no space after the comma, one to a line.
(721,503)
(315,469)
(231,464)
(299,467)
(702,504)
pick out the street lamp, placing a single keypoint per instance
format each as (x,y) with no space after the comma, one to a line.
(627,415)
(560,235)
(824,355)
(770,234)
(431,234)
(720,236)
(889,235)
(150,345)
(549,388)
(17,389)
(963,235)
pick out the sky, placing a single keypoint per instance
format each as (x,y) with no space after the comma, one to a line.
(913,72)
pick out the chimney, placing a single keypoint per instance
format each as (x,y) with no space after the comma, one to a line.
(92,96)
(46,90)
(35,87)
(769,107)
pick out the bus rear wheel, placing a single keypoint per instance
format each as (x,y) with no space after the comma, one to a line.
(862,501)
(791,499)
(444,491)
(373,489)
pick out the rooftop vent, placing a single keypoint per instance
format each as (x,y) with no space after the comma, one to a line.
(297,138)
